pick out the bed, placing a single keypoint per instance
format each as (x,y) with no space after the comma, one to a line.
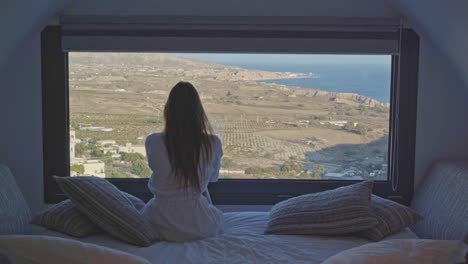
(242,242)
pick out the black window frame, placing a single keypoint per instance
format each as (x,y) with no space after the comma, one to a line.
(399,187)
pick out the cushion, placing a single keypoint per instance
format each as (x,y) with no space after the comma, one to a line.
(443,201)
(392,217)
(66,218)
(108,208)
(45,249)
(402,251)
(340,211)
(14,211)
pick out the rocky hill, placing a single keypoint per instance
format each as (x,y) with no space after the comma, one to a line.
(161,64)
(109,71)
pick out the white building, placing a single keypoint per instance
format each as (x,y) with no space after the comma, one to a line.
(91,167)
(111,149)
(339,123)
(106,142)
(95,168)
(73,142)
(334,175)
(101,129)
(130,148)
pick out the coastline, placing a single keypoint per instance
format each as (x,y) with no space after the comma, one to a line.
(317,92)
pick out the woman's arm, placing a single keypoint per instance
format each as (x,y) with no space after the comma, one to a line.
(147,148)
(218,155)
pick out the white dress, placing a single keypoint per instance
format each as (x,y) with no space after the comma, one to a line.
(176,214)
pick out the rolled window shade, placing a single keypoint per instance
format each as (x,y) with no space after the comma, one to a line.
(233,34)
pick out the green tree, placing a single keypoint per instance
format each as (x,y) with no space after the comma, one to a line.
(132,157)
(349,126)
(140,168)
(358,128)
(91,147)
(78,168)
(252,170)
(108,160)
(362,130)
(116,174)
(228,163)
(319,171)
(381,109)
(291,166)
(259,171)
(80,149)
(363,109)
(97,153)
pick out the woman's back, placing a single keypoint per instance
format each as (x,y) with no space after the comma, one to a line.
(181,213)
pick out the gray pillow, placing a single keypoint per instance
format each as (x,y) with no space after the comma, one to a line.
(108,208)
(14,211)
(341,211)
(64,217)
(392,217)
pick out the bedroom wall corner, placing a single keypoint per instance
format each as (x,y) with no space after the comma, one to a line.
(21,119)
(442,127)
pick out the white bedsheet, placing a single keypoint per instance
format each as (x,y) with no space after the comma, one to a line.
(242,242)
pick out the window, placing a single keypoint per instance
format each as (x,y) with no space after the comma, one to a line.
(279,116)
(293,118)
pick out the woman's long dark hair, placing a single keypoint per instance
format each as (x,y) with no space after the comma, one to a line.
(187,135)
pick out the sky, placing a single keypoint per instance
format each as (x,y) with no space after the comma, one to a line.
(227,58)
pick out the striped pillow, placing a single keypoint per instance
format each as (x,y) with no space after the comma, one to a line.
(64,217)
(392,217)
(108,208)
(341,211)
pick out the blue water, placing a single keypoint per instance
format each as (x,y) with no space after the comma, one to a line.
(368,75)
(369,80)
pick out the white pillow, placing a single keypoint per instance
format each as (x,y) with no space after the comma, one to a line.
(403,251)
(22,249)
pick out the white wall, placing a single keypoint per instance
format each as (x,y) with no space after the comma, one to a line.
(21,119)
(442,125)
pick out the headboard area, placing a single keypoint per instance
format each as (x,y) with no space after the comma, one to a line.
(443,201)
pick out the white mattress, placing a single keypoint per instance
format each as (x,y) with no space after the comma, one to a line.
(242,242)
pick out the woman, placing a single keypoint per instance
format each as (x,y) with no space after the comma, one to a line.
(184,159)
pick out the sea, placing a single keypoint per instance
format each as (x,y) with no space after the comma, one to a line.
(370,80)
(367,79)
